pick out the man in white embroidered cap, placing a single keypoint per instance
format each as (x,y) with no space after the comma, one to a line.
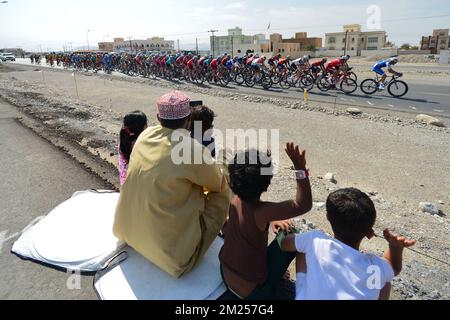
(171,213)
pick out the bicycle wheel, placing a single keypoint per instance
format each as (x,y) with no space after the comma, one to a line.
(348,86)
(225,79)
(398,88)
(369,86)
(306,82)
(266,82)
(353,76)
(239,78)
(323,84)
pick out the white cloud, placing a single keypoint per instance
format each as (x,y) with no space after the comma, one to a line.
(235,5)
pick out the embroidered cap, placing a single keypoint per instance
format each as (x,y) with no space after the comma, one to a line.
(174,106)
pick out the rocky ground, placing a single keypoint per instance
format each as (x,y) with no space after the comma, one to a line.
(397,159)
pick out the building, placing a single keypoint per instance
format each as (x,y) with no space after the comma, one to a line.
(237,43)
(440,40)
(294,47)
(353,40)
(151,44)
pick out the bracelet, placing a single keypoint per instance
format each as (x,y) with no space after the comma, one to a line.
(301,174)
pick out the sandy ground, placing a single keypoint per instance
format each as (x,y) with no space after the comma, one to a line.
(397,160)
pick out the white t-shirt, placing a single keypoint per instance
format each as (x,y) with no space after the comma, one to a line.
(336,271)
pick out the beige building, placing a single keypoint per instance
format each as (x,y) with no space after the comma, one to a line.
(295,47)
(236,43)
(440,40)
(353,39)
(150,44)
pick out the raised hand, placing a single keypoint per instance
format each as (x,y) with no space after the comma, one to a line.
(296,155)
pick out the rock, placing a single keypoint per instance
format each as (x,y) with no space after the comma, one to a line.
(429,120)
(353,111)
(431,208)
(319,205)
(330,177)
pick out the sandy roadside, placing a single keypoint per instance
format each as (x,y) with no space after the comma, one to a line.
(402,164)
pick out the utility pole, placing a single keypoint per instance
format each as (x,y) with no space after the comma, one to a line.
(212,32)
(131,45)
(345,49)
(196,45)
(87,37)
(178,44)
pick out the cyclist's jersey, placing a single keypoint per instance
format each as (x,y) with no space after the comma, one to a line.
(191,64)
(259,61)
(207,62)
(334,64)
(179,60)
(298,62)
(273,60)
(186,59)
(229,64)
(316,64)
(214,63)
(224,61)
(382,64)
(201,61)
(250,60)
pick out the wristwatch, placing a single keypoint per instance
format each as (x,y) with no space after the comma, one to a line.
(301,174)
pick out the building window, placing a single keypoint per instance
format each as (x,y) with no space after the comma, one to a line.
(443,42)
(372,40)
(343,40)
(353,39)
(372,48)
(332,40)
(332,48)
(282,50)
(353,49)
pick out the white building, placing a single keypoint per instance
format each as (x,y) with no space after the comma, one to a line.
(236,43)
(354,41)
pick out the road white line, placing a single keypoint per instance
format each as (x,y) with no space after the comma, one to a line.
(437,110)
(343,99)
(414,108)
(369,103)
(390,105)
(352,100)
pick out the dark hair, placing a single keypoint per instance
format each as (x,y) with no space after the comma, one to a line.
(246,178)
(133,125)
(351,213)
(203,114)
(174,124)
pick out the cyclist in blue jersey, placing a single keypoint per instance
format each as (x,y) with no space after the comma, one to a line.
(388,63)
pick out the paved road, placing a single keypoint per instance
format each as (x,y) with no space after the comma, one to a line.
(35,178)
(427,94)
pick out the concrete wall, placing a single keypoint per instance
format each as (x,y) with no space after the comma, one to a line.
(335,53)
(406,52)
(383,52)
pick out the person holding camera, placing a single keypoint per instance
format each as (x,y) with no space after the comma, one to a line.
(171,212)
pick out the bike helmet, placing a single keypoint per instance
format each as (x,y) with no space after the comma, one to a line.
(393,60)
(324,60)
(306,58)
(288,58)
(345,57)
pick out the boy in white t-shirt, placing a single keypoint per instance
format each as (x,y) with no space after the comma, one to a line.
(334,268)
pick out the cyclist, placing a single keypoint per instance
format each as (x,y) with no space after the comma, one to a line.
(257,65)
(387,63)
(334,67)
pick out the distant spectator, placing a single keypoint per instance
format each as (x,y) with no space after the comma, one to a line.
(333,268)
(133,124)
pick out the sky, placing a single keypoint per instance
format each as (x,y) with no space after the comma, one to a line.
(51,24)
